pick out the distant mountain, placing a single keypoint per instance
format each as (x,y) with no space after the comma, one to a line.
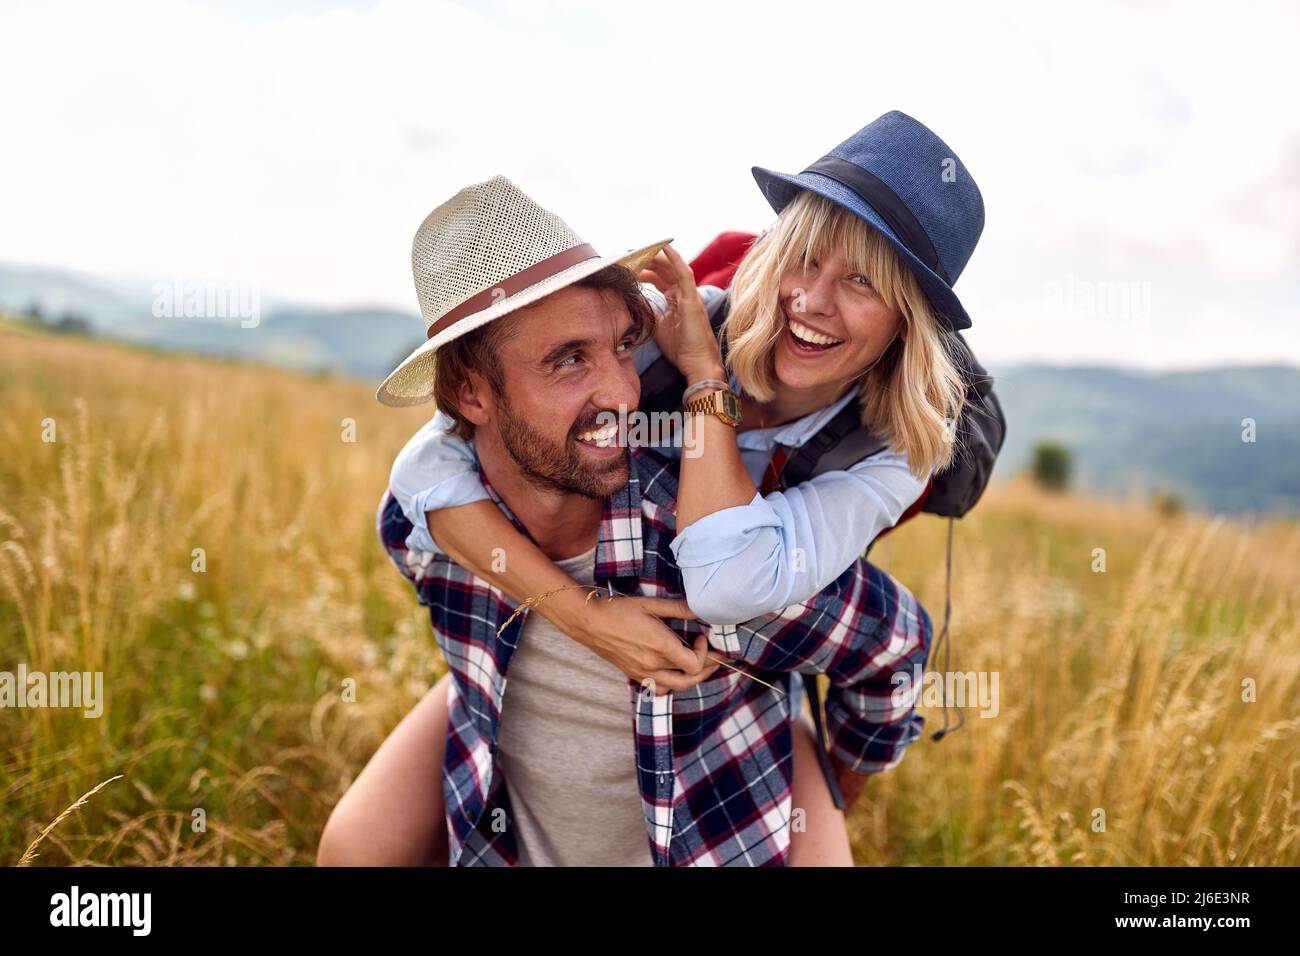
(366,343)
(1129,431)
(112,306)
(1133,431)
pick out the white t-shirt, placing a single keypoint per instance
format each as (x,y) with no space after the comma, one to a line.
(567,748)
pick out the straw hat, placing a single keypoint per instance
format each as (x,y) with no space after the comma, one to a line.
(482,254)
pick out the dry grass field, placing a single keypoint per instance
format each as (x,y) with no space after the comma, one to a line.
(1120,692)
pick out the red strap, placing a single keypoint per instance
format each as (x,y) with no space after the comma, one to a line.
(772,476)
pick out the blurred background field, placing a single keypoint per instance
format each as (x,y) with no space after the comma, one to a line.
(1120,691)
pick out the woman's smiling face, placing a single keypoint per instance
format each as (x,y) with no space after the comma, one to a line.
(835,324)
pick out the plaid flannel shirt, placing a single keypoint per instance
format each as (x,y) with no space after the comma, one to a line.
(714,762)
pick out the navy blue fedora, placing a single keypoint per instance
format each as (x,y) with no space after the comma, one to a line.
(903,180)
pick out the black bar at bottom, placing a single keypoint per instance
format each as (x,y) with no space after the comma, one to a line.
(328,906)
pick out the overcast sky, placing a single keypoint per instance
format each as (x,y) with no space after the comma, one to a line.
(1146,154)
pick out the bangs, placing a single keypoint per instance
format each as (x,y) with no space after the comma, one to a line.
(812,225)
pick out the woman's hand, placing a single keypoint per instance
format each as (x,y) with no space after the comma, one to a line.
(628,632)
(683,334)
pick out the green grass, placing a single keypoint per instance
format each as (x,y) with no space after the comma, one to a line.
(1119,691)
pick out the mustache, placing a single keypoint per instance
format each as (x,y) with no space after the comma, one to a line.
(588,423)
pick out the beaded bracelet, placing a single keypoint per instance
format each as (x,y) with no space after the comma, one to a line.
(708,383)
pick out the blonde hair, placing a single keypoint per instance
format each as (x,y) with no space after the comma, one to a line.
(914,393)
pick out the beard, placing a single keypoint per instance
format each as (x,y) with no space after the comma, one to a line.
(559,467)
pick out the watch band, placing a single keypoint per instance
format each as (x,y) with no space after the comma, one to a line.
(722,402)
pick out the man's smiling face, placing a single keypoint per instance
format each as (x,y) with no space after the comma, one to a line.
(564,360)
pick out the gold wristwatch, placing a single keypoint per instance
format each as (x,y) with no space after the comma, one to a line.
(722,402)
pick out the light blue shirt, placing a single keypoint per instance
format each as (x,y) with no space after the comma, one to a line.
(737,563)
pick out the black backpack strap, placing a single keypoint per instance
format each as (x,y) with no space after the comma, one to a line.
(661,387)
(842,442)
(823,758)
(719,309)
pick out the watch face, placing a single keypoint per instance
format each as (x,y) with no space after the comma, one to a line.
(731,406)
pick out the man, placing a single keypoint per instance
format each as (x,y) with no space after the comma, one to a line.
(530,339)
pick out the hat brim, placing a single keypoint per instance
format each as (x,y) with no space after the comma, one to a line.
(779,188)
(411,383)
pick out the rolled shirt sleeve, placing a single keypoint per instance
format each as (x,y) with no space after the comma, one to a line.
(870,636)
(779,550)
(434,470)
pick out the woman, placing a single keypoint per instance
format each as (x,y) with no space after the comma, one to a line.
(846,298)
